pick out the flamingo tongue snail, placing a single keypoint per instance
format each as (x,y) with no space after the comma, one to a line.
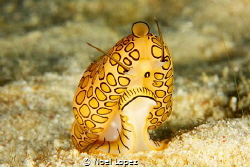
(123,95)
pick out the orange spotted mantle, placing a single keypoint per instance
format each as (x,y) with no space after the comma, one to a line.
(136,73)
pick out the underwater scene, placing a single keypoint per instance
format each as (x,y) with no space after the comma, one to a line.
(138,83)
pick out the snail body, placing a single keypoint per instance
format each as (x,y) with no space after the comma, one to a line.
(123,95)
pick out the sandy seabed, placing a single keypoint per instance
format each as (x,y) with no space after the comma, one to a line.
(43,55)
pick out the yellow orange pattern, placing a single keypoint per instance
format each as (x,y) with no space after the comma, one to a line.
(107,86)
